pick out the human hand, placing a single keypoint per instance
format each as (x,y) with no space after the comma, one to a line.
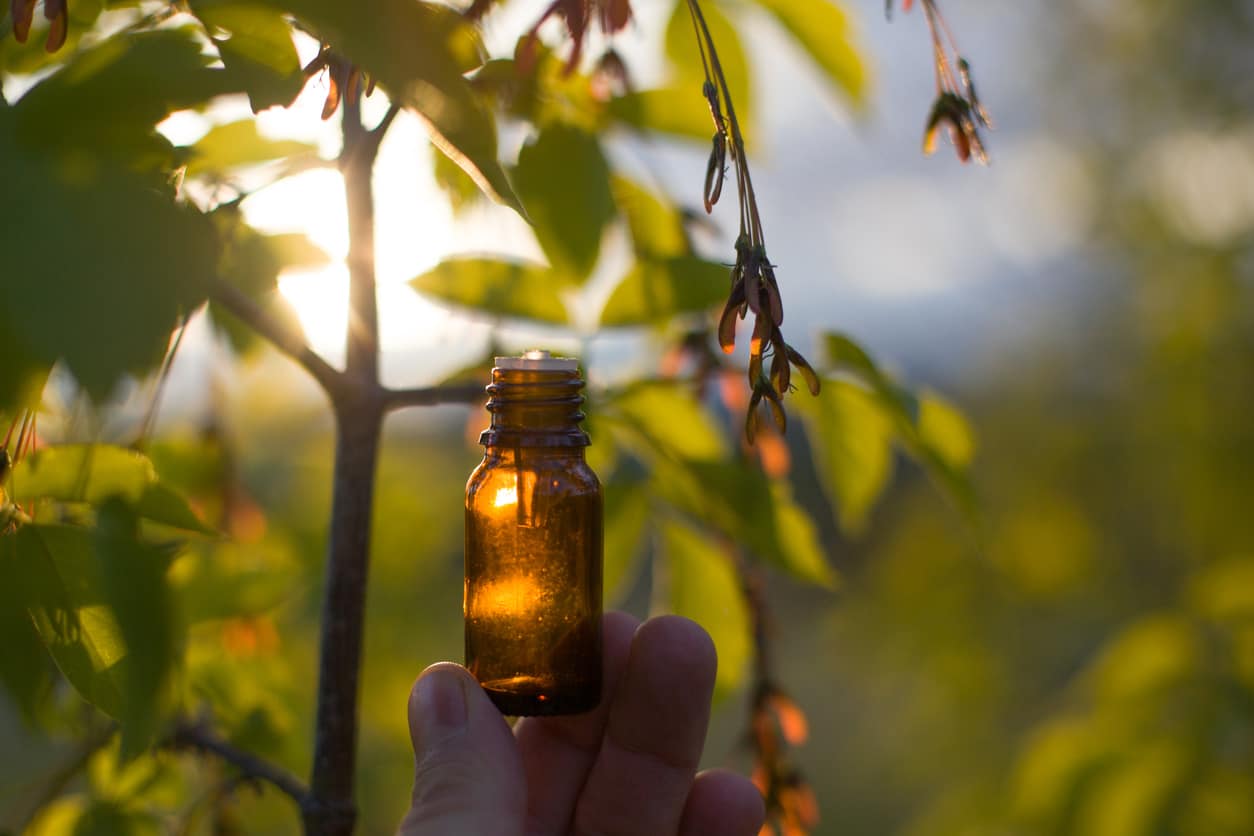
(626,768)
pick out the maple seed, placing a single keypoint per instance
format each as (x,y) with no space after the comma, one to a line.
(21,12)
(715,171)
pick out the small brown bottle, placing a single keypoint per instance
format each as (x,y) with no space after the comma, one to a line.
(532,599)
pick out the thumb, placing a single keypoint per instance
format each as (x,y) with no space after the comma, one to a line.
(468,777)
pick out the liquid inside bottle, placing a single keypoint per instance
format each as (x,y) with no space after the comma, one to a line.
(532,597)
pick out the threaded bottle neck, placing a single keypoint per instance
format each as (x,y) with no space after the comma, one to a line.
(535,406)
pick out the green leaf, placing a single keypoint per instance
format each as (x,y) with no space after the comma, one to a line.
(668,418)
(256,46)
(165,506)
(64,592)
(103,263)
(495,288)
(653,292)
(822,30)
(295,249)
(461,191)
(135,587)
(22,375)
(678,112)
(417,51)
(107,100)
(843,354)
(656,226)
(24,668)
(679,107)
(944,430)
(626,515)
(88,473)
(94,473)
(702,584)
(563,180)
(943,445)
(741,502)
(853,445)
(238,144)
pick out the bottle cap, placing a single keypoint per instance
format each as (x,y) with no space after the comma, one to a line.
(537,360)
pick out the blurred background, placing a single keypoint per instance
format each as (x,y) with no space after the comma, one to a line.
(1078,659)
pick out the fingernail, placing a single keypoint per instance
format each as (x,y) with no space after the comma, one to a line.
(441,698)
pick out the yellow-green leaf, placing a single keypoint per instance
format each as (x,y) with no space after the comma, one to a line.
(495,288)
(653,292)
(821,28)
(701,583)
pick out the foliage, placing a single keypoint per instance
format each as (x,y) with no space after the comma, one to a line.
(144,586)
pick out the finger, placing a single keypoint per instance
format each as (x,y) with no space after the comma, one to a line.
(654,736)
(557,752)
(725,803)
(467,775)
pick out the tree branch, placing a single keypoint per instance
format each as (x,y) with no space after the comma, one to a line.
(200,738)
(394,399)
(329,809)
(279,334)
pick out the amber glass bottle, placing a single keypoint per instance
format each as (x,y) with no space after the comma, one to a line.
(532,597)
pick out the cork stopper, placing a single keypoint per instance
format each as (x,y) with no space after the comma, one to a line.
(538,360)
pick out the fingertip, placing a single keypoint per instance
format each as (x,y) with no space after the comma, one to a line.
(680,644)
(723,802)
(439,703)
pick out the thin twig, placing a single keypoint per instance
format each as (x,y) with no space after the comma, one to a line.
(200,738)
(163,376)
(284,338)
(429,396)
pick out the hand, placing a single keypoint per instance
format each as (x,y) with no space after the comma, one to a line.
(627,768)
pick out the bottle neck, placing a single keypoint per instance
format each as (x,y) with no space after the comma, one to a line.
(534,408)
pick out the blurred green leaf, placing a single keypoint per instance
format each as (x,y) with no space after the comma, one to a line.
(22,375)
(109,818)
(942,444)
(134,583)
(24,669)
(238,144)
(653,292)
(256,46)
(563,180)
(626,515)
(679,107)
(295,249)
(161,504)
(701,583)
(108,100)
(656,226)
(682,113)
(495,288)
(853,447)
(252,262)
(93,473)
(753,512)
(106,263)
(668,418)
(943,429)
(461,191)
(64,592)
(418,52)
(88,473)
(822,29)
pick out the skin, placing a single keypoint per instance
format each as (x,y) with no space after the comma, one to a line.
(627,768)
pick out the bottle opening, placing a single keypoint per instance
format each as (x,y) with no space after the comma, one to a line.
(539,361)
